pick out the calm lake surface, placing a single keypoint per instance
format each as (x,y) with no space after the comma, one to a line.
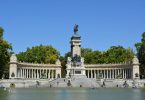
(73,94)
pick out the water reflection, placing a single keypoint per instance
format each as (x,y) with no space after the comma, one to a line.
(73,94)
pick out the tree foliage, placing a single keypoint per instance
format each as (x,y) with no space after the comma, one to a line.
(114,54)
(140,47)
(5,48)
(39,54)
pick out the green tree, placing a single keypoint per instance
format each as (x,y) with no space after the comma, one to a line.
(116,54)
(39,54)
(5,48)
(140,47)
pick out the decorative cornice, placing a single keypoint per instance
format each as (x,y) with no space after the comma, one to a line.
(37,65)
(106,65)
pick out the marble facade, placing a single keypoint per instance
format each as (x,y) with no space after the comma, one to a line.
(33,71)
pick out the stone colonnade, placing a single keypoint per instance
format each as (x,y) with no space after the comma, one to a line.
(114,73)
(37,73)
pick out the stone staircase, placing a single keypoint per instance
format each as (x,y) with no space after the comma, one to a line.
(75,82)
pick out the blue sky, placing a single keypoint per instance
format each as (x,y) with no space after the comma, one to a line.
(102,23)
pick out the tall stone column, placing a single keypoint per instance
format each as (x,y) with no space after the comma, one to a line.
(51,74)
(24,73)
(40,73)
(123,74)
(34,73)
(13,67)
(27,73)
(21,73)
(87,73)
(56,73)
(135,68)
(37,73)
(95,74)
(112,73)
(107,73)
(104,74)
(118,72)
(115,73)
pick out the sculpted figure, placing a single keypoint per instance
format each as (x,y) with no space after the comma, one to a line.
(76,28)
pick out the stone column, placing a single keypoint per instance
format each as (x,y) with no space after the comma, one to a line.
(51,74)
(107,73)
(21,73)
(117,72)
(40,73)
(28,73)
(56,73)
(87,73)
(36,73)
(123,73)
(24,73)
(112,74)
(33,73)
(95,73)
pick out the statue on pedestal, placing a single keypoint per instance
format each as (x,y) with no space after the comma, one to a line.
(76,28)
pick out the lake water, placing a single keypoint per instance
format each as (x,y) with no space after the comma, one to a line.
(73,94)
